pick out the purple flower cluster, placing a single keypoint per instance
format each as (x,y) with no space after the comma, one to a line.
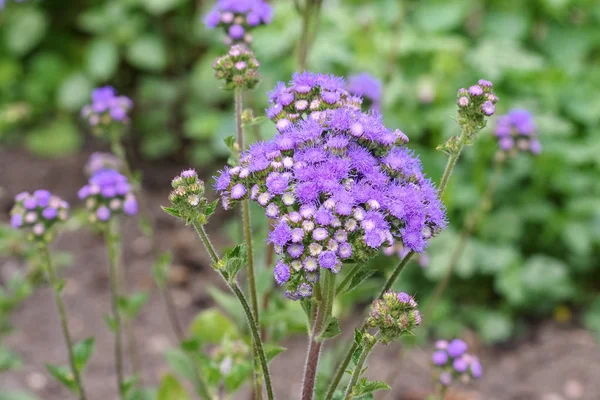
(99,161)
(106,194)
(368,87)
(107,108)
(395,314)
(478,100)
(453,362)
(340,187)
(308,94)
(516,131)
(238,18)
(37,213)
(238,68)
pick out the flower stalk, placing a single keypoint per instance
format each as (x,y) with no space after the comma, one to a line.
(62,312)
(369,343)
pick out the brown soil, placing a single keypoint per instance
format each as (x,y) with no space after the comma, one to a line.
(555,363)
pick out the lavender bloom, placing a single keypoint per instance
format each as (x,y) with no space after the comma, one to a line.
(368,87)
(457,347)
(282,273)
(107,108)
(353,185)
(440,357)
(37,214)
(108,193)
(99,161)
(516,131)
(453,362)
(237,17)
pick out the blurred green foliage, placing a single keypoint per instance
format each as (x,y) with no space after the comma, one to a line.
(538,247)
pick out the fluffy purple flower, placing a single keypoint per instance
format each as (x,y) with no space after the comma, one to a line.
(282,273)
(16,220)
(238,191)
(328,259)
(103,213)
(366,86)
(476,90)
(488,108)
(130,206)
(456,348)
(106,103)
(460,364)
(277,183)
(241,15)
(440,357)
(281,235)
(476,369)
(518,126)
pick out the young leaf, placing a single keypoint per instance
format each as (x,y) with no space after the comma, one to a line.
(230,142)
(171,211)
(331,330)
(180,364)
(357,279)
(271,351)
(358,336)
(130,306)
(110,322)
(356,354)
(210,208)
(128,386)
(234,260)
(365,388)
(171,389)
(8,359)
(63,375)
(83,351)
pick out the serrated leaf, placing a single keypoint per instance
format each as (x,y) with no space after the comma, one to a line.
(63,375)
(171,389)
(271,351)
(358,336)
(331,330)
(211,325)
(230,142)
(356,354)
(171,211)
(365,387)
(210,208)
(82,352)
(234,260)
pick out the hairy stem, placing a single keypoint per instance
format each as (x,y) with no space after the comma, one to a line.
(234,287)
(64,322)
(310,19)
(111,237)
(359,366)
(324,306)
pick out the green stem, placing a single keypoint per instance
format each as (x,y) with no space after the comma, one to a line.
(111,237)
(234,287)
(452,159)
(310,19)
(470,223)
(348,278)
(359,367)
(322,315)
(64,322)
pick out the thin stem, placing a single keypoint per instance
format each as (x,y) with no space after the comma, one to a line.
(64,322)
(471,222)
(322,315)
(358,369)
(111,237)
(348,278)
(452,159)
(234,287)
(310,19)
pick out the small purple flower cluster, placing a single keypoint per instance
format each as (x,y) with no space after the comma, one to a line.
(401,251)
(37,213)
(108,193)
(238,17)
(477,99)
(99,161)
(516,131)
(368,87)
(107,108)
(395,314)
(340,185)
(238,68)
(308,94)
(453,362)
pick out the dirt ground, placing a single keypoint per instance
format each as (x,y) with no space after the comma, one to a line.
(554,363)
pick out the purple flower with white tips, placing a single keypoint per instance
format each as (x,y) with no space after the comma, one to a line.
(107,194)
(37,213)
(107,108)
(238,17)
(516,131)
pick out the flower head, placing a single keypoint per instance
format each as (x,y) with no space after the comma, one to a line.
(453,362)
(238,68)
(395,315)
(99,161)
(238,18)
(516,131)
(188,200)
(37,214)
(108,193)
(107,109)
(368,87)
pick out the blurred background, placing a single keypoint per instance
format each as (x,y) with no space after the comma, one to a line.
(525,293)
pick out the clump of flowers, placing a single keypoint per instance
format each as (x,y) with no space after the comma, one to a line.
(454,363)
(395,315)
(516,131)
(368,87)
(38,213)
(99,161)
(238,18)
(108,193)
(106,109)
(308,94)
(238,68)
(340,187)
(475,104)
(187,196)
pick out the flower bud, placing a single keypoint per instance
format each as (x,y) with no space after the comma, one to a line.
(238,68)
(395,315)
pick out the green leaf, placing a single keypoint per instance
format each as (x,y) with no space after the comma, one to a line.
(130,306)
(56,139)
(210,208)
(148,53)
(24,30)
(8,359)
(9,395)
(171,389)
(160,269)
(63,375)
(331,330)
(364,388)
(180,363)
(211,325)
(129,385)
(230,142)
(83,351)
(171,211)
(110,322)
(361,276)
(271,351)
(102,59)
(358,336)
(229,303)
(234,260)
(74,92)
